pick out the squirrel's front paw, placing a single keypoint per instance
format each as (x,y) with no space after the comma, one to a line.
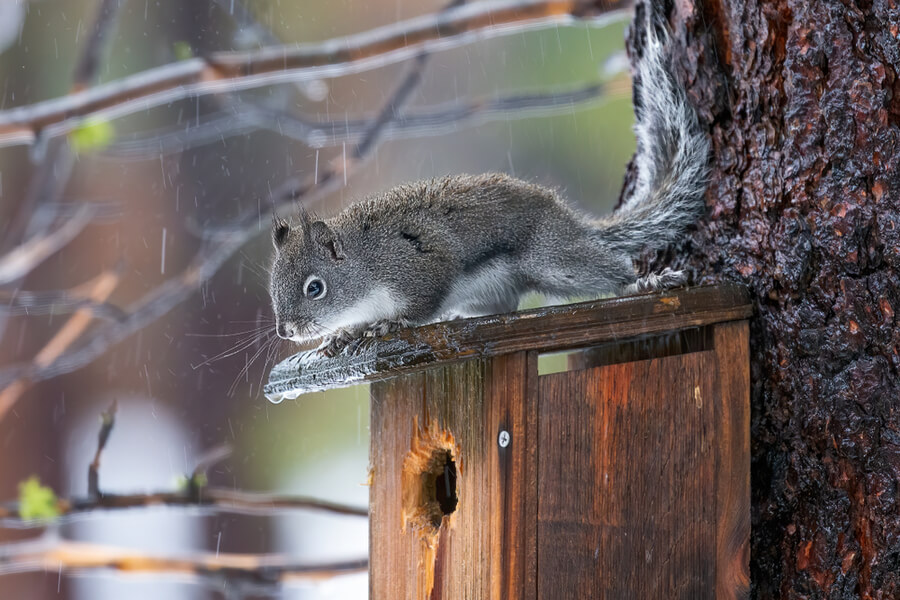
(664,280)
(384,327)
(335,344)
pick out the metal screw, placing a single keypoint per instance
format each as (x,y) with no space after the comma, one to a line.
(503,438)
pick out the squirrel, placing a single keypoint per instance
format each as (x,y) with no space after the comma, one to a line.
(471,245)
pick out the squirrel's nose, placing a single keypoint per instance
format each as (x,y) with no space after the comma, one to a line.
(286,330)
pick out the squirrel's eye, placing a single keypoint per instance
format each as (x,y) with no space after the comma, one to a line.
(314,288)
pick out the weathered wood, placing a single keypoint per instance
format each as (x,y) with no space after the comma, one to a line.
(483,549)
(643,348)
(544,329)
(732,427)
(627,480)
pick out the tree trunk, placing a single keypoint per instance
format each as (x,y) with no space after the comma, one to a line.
(802,102)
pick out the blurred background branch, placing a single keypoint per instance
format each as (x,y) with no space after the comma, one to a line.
(210,500)
(251,573)
(233,71)
(194,495)
(419,122)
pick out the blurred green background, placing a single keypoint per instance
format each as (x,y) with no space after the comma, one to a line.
(173,405)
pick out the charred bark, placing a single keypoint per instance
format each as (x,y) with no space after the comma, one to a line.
(802,102)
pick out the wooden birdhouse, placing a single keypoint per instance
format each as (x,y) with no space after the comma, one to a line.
(594,450)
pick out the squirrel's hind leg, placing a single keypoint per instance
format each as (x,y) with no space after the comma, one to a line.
(585,270)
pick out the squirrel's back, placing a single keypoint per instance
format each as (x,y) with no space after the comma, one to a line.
(470,216)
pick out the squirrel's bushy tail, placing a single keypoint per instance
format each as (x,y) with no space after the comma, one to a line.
(671,160)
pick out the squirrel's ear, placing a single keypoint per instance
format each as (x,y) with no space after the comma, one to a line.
(323,235)
(305,219)
(280,230)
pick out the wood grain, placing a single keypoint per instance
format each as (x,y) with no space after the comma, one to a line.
(544,329)
(732,425)
(482,549)
(626,480)
(626,476)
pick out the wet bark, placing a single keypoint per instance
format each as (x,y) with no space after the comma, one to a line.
(802,102)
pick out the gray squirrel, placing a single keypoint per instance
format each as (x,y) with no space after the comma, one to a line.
(469,245)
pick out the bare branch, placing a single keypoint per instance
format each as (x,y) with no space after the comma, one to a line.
(89,61)
(13,387)
(195,494)
(24,259)
(233,71)
(389,111)
(210,500)
(263,571)
(107,420)
(18,303)
(421,122)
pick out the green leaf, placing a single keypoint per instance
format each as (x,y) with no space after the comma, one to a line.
(36,501)
(92,134)
(181,483)
(182,50)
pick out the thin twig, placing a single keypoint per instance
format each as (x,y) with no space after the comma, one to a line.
(257,571)
(195,493)
(210,500)
(12,388)
(53,302)
(239,70)
(107,420)
(24,259)
(420,122)
(89,61)
(390,111)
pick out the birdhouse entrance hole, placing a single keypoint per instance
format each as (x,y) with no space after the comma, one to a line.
(445,484)
(429,480)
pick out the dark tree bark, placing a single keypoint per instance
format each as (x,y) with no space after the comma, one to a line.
(802,102)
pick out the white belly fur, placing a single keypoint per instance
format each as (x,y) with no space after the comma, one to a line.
(489,285)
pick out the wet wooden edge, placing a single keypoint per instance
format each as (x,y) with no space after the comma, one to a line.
(544,329)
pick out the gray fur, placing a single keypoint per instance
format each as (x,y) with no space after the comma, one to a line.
(471,245)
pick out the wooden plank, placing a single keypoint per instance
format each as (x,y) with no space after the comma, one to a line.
(532,404)
(390,434)
(512,473)
(481,550)
(733,461)
(626,480)
(544,329)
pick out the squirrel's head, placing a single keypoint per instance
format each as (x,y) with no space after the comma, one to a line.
(311,282)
